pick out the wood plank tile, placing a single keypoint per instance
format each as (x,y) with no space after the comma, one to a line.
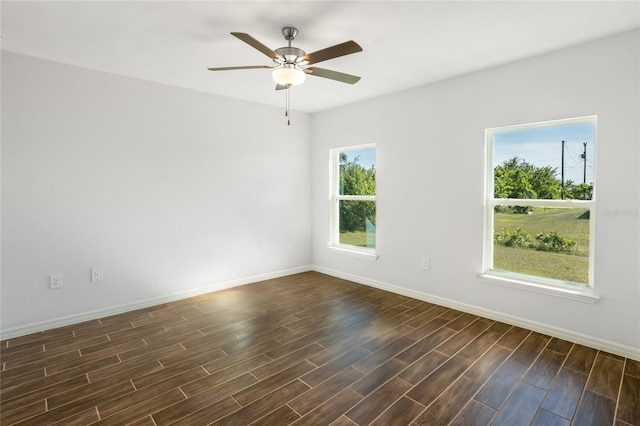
(382,355)
(182,373)
(294,344)
(400,413)
(479,345)
(280,417)
(343,421)
(595,410)
(95,390)
(433,385)
(513,338)
(498,388)
(273,367)
(373,405)
(462,338)
(605,376)
(428,316)
(559,345)
(427,329)
(20,352)
(581,358)
(266,386)
(338,348)
(629,402)
(325,390)
(529,350)
(632,368)
(36,390)
(419,349)
(131,369)
(474,414)
(423,367)
(202,400)
(462,321)
(62,412)
(17,376)
(386,338)
(30,363)
(322,373)
(499,327)
(544,369)
(263,406)
(88,416)
(378,377)
(564,395)
(23,412)
(546,418)
(447,406)
(283,331)
(487,364)
(210,413)
(326,413)
(521,407)
(220,376)
(115,404)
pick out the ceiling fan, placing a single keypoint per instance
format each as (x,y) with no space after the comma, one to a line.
(293,64)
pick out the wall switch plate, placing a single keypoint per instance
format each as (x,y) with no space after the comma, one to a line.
(55,281)
(289,246)
(97,274)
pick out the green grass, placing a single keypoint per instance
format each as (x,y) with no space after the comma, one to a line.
(569,223)
(357,238)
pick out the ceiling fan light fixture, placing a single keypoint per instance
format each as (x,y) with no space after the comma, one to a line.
(289,75)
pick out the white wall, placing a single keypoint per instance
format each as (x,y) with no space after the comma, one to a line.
(430,183)
(169,190)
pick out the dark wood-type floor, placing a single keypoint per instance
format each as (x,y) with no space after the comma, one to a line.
(310,349)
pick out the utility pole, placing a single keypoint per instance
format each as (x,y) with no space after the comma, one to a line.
(562,171)
(584,167)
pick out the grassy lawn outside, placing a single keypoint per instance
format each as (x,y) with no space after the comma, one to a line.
(570,223)
(357,238)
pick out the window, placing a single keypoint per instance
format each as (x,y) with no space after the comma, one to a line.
(539,204)
(353,199)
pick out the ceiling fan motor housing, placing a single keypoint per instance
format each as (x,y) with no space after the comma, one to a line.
(290,54)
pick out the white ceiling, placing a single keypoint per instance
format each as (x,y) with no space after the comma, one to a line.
(406,44)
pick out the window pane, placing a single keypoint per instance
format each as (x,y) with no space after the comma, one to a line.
(542,241)
(545,162)
(357,223)
(358,171)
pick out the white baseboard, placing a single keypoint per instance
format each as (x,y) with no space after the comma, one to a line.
(112,310)
(582,339)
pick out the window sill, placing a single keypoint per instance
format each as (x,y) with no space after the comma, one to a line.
(362,254)
(584,295)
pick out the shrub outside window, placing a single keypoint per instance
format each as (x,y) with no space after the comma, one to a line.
(353,198)
(540,198)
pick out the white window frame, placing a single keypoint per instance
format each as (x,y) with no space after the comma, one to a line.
(334,201)
(555,287)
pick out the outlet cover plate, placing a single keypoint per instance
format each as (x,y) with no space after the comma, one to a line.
(55,281)
(97,274)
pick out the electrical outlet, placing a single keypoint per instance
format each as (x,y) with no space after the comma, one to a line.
(97,274)
(289,246)
(426,263)
(55,281)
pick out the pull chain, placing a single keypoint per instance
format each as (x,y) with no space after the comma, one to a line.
(286,111)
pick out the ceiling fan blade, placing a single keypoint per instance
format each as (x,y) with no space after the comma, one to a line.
(257,45)
(333,75)
(248,67)
(342,49)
